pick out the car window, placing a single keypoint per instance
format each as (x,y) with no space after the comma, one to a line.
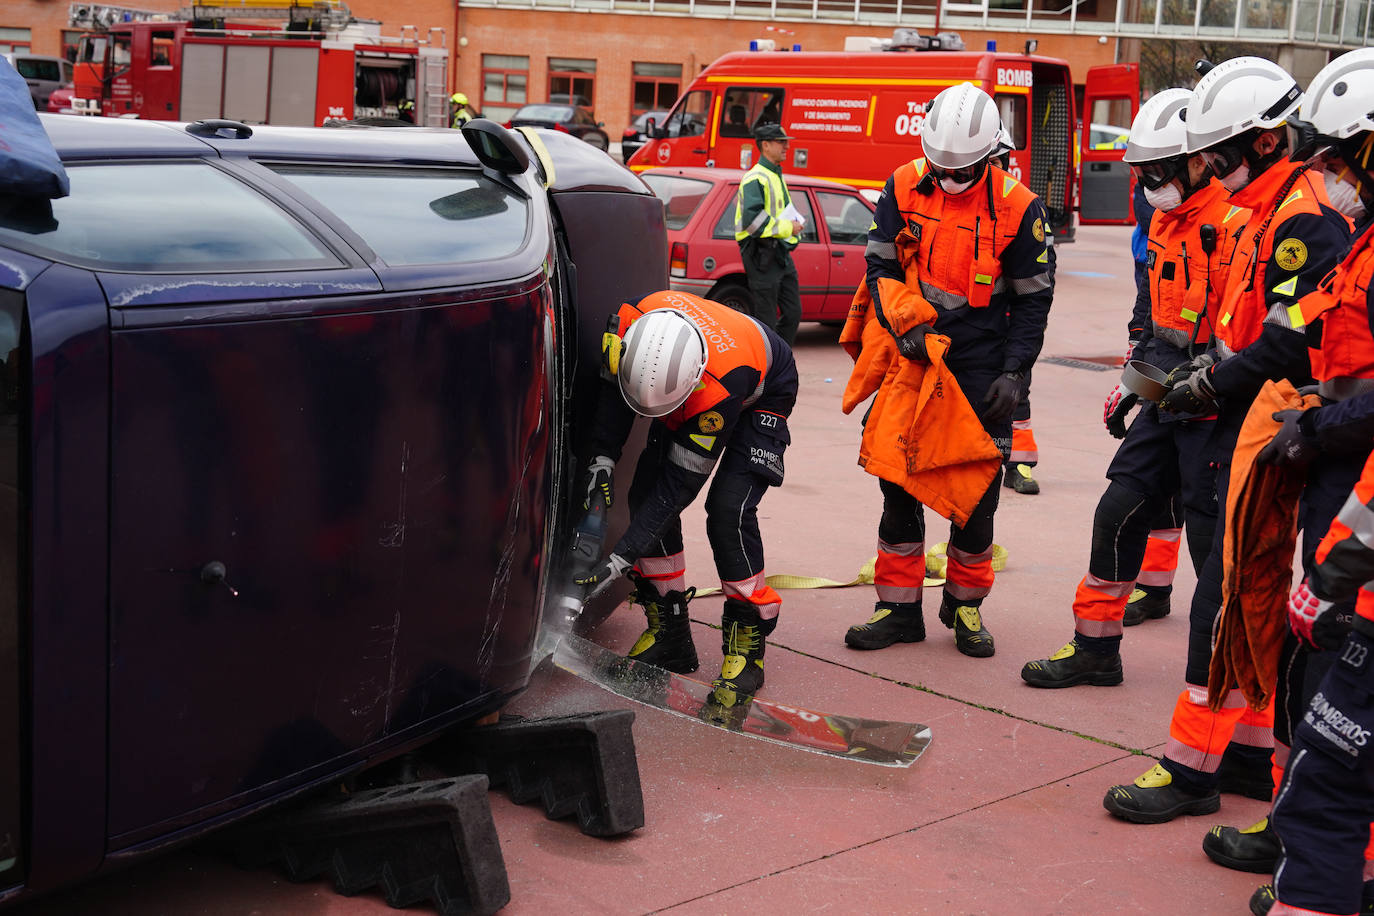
(545,112)
(747,108)
(32,69)
(725,225)
(163,217)
(681,197)
(419,216)
(689,117)
(847,217)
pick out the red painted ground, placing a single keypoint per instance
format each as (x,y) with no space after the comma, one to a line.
(1003,814)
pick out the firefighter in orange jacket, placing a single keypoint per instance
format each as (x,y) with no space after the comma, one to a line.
(1161,454)
(1292,239)
(1329,445)
(720,386)
(959,239)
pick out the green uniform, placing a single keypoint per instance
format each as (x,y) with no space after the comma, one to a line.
(766,241)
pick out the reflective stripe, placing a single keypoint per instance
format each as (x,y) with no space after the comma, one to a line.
(1191,757)
(898,594)
(1225,351)
(902,550)
(1253,735)
(1285,315)
(653,567)
(1098,628)
(950,302)
(1107,587)
(1024,286)
(698,464)
(1156,577)
(743,588)
(1174,337)
(1188,315)
(758,221)
(1168,535)
(1358,517)
(966,592)
(1345,387)
(767,364)
(885,250)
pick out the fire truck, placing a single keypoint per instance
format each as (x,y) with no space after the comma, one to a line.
(318,64)
(854,116)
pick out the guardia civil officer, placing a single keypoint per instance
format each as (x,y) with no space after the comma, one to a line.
(767,230)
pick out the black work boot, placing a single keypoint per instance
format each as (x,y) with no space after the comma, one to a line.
(1018,477)
(742,644)
(1253,849)
(970,636)
(667,642)
(1145,604)
(1073,665)
(1263,900)
(891,622)
(1154,799)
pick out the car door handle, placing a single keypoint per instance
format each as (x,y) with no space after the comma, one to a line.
(702,150)
(836,254)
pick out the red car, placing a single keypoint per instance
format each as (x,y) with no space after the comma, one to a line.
(705,259)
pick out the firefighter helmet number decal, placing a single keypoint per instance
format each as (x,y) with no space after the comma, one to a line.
(711,422)
(1038,230)
(1290,254)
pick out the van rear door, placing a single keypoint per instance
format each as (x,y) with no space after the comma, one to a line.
(1111,97)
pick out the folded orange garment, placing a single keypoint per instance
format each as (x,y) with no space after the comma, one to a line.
(1257,557)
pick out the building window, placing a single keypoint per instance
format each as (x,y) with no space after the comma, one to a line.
(655,87)
(505,81)
(14,40)
(71,39)
(572,81)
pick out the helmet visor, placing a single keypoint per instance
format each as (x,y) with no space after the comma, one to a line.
(1304,142)
(1155,175)
(1224,158)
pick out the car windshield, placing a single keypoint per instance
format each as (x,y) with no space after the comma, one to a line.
(544,113)
(680,196)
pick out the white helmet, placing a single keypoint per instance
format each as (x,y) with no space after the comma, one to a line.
(1236,96)
(664,358)
(960,127)
(1340,100)
(1002,144)
(1158,131)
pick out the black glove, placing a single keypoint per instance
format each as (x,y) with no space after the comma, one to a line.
(600,482)
(1117,407)
(912,344)
(1194,395)
(600,578)
(1003,396)
(1290,445)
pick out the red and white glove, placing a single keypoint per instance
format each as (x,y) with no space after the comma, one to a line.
(1119,402)
(1304,610)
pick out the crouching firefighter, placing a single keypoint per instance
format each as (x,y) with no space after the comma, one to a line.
(957,254)
(719,386)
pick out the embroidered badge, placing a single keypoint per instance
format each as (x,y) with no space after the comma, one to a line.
(1290,254)
(711,422)
(1038,230)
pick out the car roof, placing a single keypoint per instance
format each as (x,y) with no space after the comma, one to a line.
(727,175)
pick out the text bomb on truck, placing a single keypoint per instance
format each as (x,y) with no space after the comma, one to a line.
(854,116)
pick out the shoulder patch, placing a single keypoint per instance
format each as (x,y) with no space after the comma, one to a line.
(1038,230)
(710,422)
(1288,287)
(1232,212)
(1290,254)
(706,442)
(1007,184)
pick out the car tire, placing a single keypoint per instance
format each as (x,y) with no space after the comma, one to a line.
(597,139)
(734,294)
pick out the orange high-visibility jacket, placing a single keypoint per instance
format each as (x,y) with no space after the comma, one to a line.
(921,432)
(1257,556)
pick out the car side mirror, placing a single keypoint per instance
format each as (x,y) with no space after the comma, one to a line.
(659,133)
(649,128)
(600,123)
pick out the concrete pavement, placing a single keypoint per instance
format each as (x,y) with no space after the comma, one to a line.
(1003,814)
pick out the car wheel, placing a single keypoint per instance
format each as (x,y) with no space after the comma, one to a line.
(597,139)
(734,294)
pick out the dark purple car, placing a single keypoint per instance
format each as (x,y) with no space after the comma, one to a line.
(287,426)
(569,119)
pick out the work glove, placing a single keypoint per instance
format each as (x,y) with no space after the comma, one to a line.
(600,578)
(1131,344)
(1290,445)
(912,344)
(1119,403)
(1183,370)
(1193,395)
(600,483)
(1313,621)
(1003,396)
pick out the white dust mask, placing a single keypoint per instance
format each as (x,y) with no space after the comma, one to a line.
(1238,178)
(1345,197)
(1165,198)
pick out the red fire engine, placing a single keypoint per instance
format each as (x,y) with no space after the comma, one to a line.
(854,116)
(321,64)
